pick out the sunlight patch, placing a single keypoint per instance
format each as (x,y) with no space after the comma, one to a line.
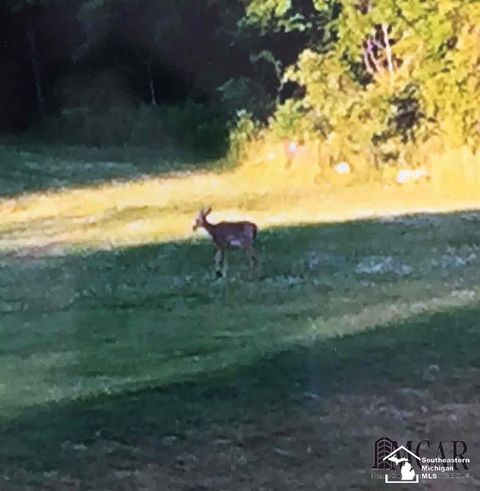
(372,265)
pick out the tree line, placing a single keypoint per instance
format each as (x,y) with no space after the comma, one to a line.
(373,79)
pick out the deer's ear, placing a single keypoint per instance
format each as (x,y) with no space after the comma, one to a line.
(207,211)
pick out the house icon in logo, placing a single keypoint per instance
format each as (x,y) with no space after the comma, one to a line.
(408,475)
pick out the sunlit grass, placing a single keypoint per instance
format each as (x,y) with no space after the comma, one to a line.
(154,209)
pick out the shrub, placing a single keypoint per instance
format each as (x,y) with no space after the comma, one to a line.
(190,127)
(243,132)
(245,94)
(389,81)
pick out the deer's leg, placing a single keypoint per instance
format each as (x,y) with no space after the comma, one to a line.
(219,262)
(253,256)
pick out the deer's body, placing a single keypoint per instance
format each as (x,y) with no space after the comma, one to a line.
(229,235)
(232,235)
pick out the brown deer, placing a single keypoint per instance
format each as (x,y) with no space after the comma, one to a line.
(228,235)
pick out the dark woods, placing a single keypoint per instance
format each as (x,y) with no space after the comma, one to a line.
(72,58)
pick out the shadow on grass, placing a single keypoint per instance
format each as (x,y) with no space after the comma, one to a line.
(397,354)
(35,167)
(145,316)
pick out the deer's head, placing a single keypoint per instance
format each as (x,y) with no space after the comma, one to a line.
(201,219)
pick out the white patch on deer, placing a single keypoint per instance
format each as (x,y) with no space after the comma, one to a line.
(235,242)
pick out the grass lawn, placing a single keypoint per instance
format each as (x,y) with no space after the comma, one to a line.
(124,366)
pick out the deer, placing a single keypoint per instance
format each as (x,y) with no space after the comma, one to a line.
(228,235)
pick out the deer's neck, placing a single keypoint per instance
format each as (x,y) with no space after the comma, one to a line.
(209,227)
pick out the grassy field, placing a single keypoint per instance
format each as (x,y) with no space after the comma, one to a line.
(124,366)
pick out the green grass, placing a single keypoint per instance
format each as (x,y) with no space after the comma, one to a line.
(119,349)
(141,342)
(37,167)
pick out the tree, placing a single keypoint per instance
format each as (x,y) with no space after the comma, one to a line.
(32,14)
(397,71)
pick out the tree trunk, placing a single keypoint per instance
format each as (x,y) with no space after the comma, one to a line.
(32,42)
(153,96)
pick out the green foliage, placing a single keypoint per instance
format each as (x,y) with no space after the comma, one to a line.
(289,119)
(367,75)
(92,91)
(190,127)
(311,18)
(244,131)
(267,12)
(398,72)
(245,94)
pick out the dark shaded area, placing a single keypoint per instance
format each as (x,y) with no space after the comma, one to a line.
(36,167)
(171,281)
(385,356)
(159,52)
